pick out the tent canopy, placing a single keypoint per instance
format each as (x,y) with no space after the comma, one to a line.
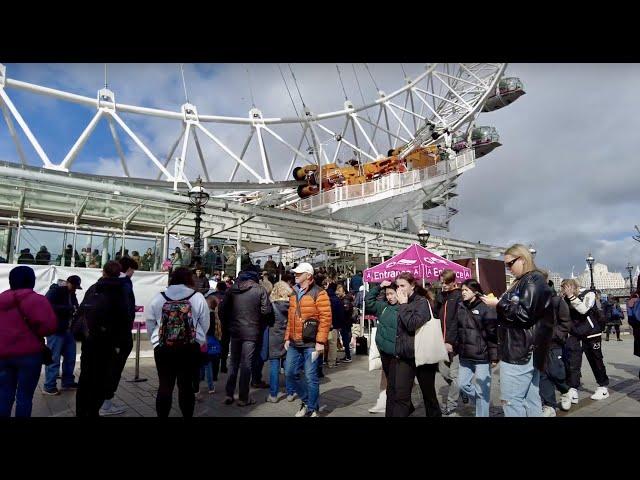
(417,260)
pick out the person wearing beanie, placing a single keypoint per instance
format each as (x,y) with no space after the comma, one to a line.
(26,317)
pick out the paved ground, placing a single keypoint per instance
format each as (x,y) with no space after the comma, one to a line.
(350,389)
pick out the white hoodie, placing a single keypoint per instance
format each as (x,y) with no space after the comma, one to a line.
(199,309)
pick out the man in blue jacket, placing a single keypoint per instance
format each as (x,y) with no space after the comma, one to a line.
(62,344)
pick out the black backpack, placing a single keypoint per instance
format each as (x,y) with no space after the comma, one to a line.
(91,318)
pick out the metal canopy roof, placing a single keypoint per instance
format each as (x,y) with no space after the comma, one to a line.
(35,196)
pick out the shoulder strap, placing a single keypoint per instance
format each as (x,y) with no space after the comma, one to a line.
(181,300)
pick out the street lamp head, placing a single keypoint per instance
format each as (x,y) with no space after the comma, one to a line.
(590,261)
(532,251)
(198,196)
(423,236)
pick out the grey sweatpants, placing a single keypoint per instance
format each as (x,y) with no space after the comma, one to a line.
(449,371)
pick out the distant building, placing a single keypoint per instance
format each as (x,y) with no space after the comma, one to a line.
(556,278)
(602,278)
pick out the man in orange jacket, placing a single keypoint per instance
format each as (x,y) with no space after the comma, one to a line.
(307,331)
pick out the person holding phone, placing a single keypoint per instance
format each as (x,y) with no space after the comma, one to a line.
(477,346)
(525,323)
(413,313)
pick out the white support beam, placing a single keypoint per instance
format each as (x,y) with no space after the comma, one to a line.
(400,122)
(82,139)
(407,111)
(263,155)
(354,118)
(173,149)
(244,150)
(13,133)
(141,145)
(339,143)
(201,156)
(293,160)
(231,154)
(347,142)
(442,121)
(183,157)
(388,132)
(116,141)
(25,128)
(296,151)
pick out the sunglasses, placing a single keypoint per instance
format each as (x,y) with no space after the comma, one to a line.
(512,262)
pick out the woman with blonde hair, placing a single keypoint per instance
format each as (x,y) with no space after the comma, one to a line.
(280,301)
(525,324)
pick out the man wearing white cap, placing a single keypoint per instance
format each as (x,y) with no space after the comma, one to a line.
(307,331)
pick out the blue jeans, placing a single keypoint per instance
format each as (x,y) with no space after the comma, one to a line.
(345,333)
(480,394)
(308,388)
(519,390)
(274,379)
(18,380)
(61,345)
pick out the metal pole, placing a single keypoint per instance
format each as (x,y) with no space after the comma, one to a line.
(123,237)
(18,236)
(239,250)
(73,249)
(477,268)
(136,378)
(196,235)
(165,244)
(592,287)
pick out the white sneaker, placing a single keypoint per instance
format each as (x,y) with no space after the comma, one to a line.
(565,401)
(303,411)
(573,393)
(601,393)
(548,411)
(381,403)
(114,410)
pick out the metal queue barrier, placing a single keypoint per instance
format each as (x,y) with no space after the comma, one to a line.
(139,323)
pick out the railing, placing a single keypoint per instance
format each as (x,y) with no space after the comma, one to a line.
(392,181)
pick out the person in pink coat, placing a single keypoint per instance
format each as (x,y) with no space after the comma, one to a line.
(26,317)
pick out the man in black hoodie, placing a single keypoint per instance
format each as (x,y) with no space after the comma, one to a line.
(243,313)
(451,300)
(123,337)
(105,308)
(554,374)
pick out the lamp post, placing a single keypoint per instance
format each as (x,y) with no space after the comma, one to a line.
(630,270)
(590,262)
(198,197)
(423,236)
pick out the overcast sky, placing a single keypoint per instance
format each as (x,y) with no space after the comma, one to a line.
(565,178)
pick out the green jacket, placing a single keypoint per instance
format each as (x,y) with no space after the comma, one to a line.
(387,321)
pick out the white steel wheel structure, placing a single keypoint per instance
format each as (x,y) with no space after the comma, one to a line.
(428,109)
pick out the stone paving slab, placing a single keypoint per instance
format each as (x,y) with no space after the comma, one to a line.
(350,389)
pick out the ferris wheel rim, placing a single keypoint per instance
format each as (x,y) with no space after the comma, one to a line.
(179,115)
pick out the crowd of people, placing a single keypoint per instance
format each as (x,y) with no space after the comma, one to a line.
(298,322)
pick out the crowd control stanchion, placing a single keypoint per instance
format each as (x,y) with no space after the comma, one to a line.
(136,378)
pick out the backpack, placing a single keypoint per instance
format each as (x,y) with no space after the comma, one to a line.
(176,329)
(90,318)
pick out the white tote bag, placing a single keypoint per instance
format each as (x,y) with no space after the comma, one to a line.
(375,362)
(429,344)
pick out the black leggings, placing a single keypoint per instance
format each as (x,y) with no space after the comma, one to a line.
(181,365)
(400,382)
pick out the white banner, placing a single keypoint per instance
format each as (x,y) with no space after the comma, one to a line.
(145,284)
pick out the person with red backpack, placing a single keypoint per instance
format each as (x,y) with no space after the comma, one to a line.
(178,321)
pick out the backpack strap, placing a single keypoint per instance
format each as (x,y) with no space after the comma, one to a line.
(181,300)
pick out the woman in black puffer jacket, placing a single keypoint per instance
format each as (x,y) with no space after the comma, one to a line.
(525,323)
(413,312)
(477,346)
(280,302)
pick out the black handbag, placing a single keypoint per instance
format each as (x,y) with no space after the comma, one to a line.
(309,330)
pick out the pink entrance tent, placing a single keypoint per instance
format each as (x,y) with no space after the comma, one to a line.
(417,260)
